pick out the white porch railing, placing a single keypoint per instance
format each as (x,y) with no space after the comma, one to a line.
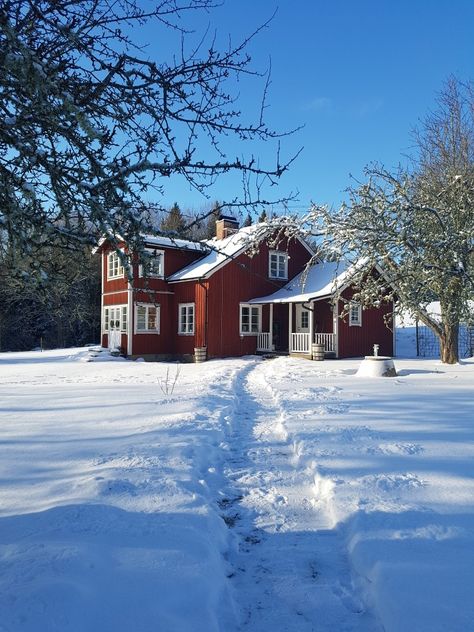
(263,341)
(300,343)
(328,340)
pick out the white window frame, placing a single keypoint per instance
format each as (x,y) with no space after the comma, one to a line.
(115,269)
(280,257)
(153,253)
(355,315)
(148,307)
(256,309)
(304,315)
(186,325)
(115,313)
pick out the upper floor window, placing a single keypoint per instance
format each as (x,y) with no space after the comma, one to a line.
(114,266)
(355,315)
(153,264)
(250,319)
(115,318)
(186,319)
(147,318)
(278,265)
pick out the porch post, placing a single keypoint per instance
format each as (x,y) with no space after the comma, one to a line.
(311,326)
(270,328)
(290,325)
(335,324)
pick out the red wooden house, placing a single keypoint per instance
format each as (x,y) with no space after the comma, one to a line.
(231,296)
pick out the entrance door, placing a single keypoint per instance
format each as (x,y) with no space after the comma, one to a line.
(302,320)
(115,326)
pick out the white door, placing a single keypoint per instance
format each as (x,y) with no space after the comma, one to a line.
(302,320)
(115,334)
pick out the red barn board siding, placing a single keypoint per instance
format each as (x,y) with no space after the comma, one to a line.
(184,293)
(323,317)
(238,282)
(177,259)
(118,298)
(201,324)
(359,341)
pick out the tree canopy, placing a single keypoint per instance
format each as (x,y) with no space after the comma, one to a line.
(89,121)
(417,223)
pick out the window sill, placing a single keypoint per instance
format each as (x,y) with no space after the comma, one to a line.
(277,278)
(181,333)
(147,331)
(250,333)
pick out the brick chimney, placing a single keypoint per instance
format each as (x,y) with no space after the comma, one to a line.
(225,226)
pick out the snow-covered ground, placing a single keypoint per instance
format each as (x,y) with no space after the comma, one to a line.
(276,495)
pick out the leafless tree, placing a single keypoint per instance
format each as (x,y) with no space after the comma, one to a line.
(89,121)
(418,224)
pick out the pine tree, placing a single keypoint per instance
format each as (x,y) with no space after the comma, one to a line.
(174,221)
(247,220)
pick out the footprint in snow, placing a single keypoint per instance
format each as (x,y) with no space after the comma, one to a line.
(349,601)
(396,448)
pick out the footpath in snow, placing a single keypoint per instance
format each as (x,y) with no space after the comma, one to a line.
(238,494)
(290,565)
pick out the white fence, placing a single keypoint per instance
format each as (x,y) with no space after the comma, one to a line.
(263,341)
(328,340)
(300,343)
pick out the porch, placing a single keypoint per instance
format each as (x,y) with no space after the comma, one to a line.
(306,324)
(298,343)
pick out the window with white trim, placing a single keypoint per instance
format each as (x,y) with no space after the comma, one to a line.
(153,264)
(186,319)
(147,318)
(304,319)
(278,264)
(355,315)
(115,318)
(250,319)
(114,266)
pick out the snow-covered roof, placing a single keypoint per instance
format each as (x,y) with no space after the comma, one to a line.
(222,251)
(319,281)
(164,242)
(171,242)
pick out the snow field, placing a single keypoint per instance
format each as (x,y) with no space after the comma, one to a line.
(107,522)
(257,495)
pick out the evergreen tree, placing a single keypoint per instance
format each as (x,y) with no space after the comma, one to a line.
(173,221)
(247,220)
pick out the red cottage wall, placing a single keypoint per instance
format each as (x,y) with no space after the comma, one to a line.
(115,293)
(184,293)
(323,317)
(153,291)
(359,341)
(201,313)
(238,282)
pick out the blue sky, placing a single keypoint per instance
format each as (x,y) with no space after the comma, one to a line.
(357,74)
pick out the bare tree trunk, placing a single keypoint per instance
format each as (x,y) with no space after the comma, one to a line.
(449,343)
